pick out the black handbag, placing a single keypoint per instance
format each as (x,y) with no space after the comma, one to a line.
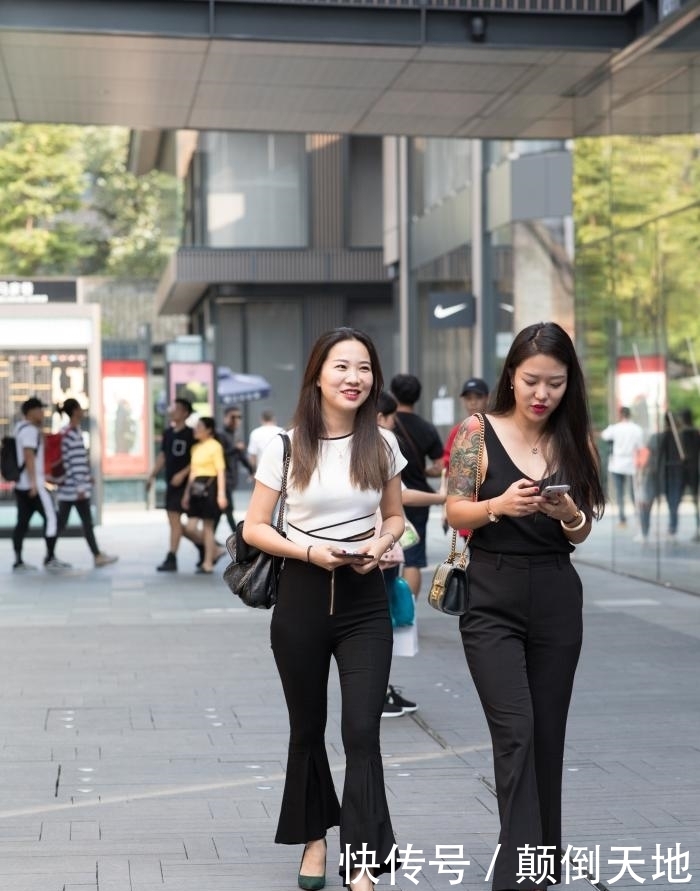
(199,487)
(253,574)
(449,589)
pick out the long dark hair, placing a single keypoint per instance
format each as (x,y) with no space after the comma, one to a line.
(369,460)
(569,446)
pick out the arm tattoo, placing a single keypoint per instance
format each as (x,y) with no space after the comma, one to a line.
(463,463)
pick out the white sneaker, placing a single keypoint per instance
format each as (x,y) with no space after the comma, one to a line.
(56,565)
(21,566)
(105,559)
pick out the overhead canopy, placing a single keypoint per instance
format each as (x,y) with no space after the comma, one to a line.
(415,69)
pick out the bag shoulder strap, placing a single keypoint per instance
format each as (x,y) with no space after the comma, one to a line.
(477,485)
(286,458)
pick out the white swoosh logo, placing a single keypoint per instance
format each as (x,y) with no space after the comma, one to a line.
(444,312)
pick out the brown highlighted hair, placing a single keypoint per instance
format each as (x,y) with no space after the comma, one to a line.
(370,459)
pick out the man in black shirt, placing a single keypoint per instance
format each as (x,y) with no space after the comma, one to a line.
(422,448)
(174,456)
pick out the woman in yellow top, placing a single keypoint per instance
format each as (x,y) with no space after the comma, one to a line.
(205,493)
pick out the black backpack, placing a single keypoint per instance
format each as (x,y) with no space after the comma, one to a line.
(10,468)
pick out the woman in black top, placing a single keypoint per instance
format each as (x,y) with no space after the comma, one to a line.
(522,630)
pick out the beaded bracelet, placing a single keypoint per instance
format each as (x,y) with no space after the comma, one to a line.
(582,520)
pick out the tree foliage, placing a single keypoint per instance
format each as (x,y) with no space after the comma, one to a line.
(637,216)
(71,206)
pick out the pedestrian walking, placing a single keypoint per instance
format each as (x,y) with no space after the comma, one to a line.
(523,626)
(234,453)
(422,448)
(332,601)
(690,442)
(31,493)
(405,638)
(75,487)
(261,436)
(205,492)
(174,458)
(626,439)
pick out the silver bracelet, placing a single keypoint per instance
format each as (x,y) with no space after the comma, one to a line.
(581,522)
(393,540)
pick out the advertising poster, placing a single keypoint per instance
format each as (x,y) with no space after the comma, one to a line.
(193,381)
(125,418)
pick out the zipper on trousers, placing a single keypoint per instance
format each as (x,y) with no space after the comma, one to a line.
(330,613)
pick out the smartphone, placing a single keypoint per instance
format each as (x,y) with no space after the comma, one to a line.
(352,555)
(549,491)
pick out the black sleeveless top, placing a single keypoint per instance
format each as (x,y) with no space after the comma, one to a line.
(534,535)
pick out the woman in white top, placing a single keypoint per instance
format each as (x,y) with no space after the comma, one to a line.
(332,602)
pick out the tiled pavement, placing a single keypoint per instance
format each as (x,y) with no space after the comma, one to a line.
(144,733)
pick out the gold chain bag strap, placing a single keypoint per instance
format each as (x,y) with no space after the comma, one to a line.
(449,589)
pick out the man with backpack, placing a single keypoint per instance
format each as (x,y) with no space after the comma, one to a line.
(31,494)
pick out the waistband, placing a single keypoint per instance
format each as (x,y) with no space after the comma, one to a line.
(519,561)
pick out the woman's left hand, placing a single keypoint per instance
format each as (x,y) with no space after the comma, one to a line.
(222,502)
(559,507)
(376,549)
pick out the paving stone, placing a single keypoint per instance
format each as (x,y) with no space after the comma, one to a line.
(158,700)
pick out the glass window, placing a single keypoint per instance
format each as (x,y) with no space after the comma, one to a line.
(256,190)
(365,191)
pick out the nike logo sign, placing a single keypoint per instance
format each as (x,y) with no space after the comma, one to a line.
(444,312)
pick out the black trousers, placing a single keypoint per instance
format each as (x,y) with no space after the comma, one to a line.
(522,638)
(27,506)
(304,636)
(82,505)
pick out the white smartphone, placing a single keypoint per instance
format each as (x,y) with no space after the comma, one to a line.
(550,491)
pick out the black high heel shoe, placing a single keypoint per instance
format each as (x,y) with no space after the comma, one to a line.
(311,883)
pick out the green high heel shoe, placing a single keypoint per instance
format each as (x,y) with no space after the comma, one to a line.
(311,883)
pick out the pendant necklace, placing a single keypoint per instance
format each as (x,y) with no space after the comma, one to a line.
(340,445)
(534,448)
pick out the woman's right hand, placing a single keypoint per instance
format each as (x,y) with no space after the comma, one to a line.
(518,500)
(323,557)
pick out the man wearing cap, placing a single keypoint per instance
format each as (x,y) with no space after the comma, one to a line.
(31,494)
(475,397)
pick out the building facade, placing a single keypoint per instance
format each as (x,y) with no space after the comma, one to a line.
(282,240)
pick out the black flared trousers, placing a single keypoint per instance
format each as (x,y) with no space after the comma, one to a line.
(304,636)
(522,638)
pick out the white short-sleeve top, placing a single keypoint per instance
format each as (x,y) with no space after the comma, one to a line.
(330,509)
(28,436)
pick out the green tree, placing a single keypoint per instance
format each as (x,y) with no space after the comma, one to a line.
(71,206)
(41,183)
(138,215)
